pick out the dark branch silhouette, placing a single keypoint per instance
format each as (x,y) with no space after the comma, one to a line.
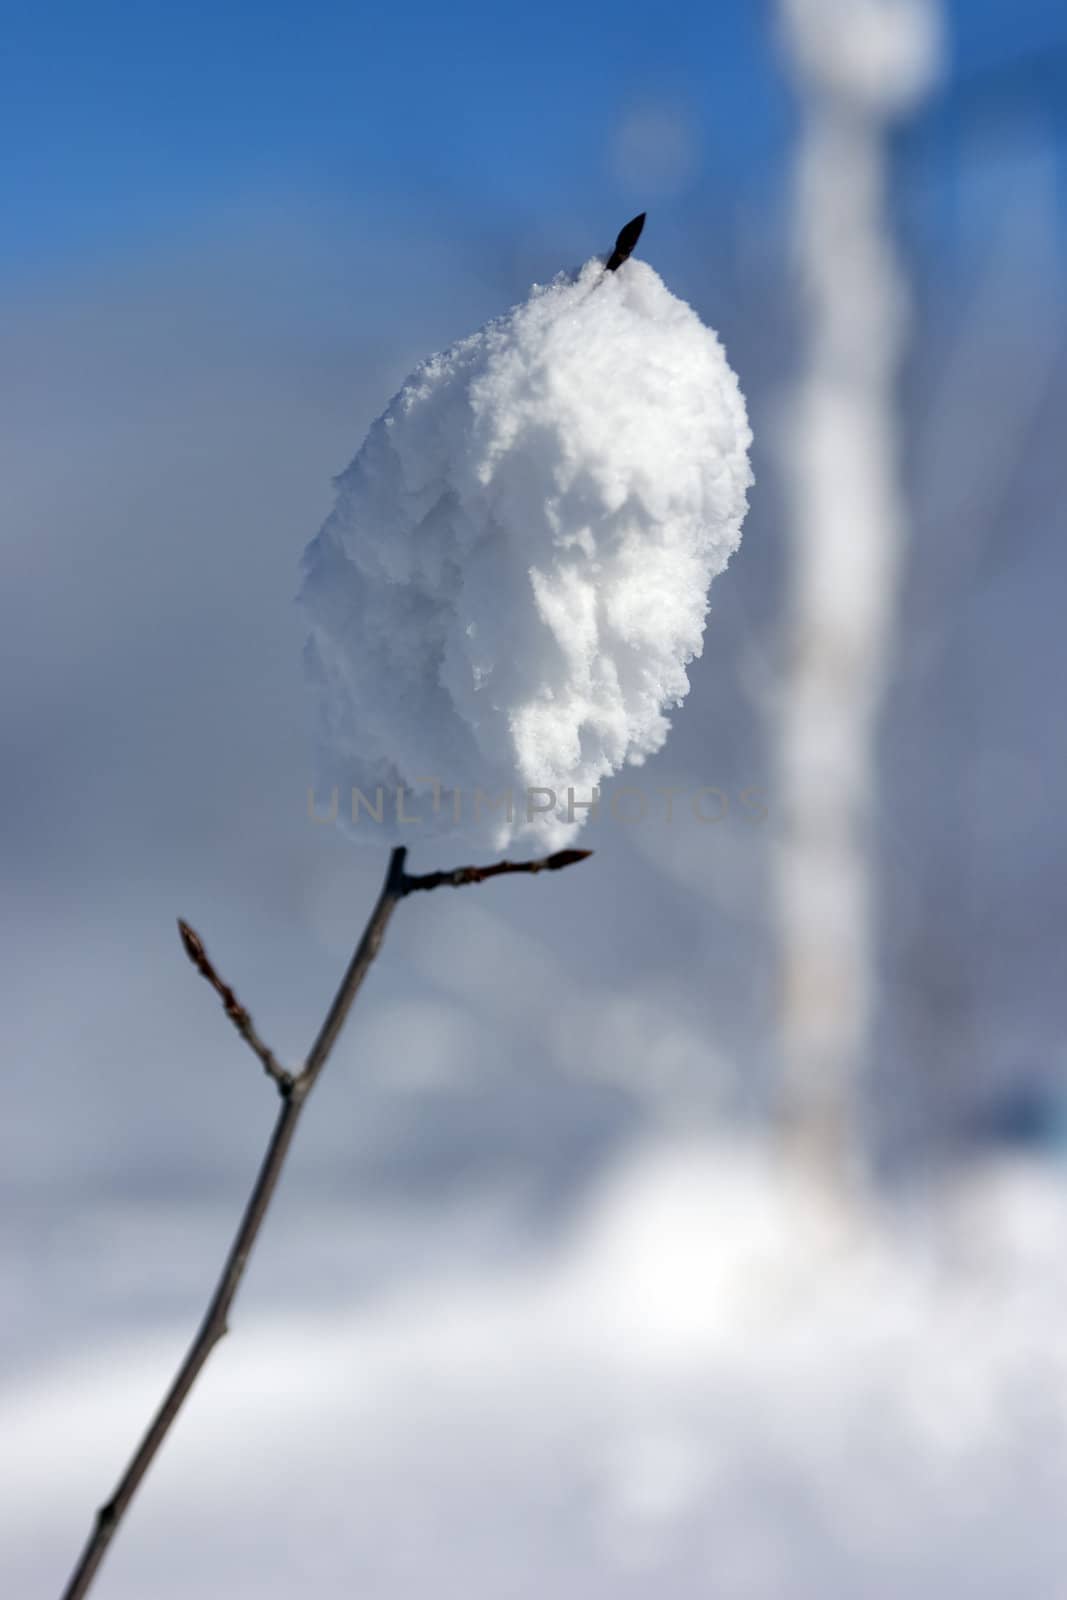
(294,1090)
(624,244)
(194,949)
(461,875)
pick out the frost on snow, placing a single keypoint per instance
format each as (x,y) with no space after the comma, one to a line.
(505,598)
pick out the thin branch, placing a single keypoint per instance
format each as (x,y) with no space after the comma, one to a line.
(294,1091)
(463,875)
(237,1013)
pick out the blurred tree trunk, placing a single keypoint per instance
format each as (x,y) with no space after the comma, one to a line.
(858,65)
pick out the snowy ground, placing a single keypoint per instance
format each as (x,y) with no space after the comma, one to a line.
(713,1383)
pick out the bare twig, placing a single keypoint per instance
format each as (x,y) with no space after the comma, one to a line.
(238,1015)
(294,1091)
(461,875)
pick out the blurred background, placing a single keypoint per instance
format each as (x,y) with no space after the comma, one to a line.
(695,1221)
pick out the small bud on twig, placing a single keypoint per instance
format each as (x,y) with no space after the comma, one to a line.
(624,244)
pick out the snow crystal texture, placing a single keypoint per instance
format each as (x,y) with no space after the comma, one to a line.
(515,576)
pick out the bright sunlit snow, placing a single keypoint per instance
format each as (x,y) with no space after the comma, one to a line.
(515,576)
(714,1383)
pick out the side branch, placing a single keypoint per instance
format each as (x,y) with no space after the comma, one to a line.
(294,1091)
(463,875)
(237,1013)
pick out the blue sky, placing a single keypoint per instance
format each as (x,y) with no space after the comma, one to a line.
(129,125)
(217,230)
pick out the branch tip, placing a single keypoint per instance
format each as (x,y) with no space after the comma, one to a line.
(625,243)
(566,858)
(192,944)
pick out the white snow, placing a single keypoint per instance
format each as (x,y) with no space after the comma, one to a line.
(716,1383)
(515,575)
